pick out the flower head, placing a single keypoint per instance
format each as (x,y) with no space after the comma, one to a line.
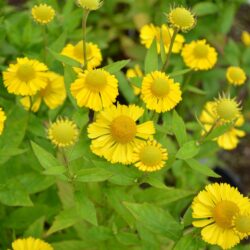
(115,133)
(31,244)
(134,72)
(90,4)
(214,210)
(241,224)
(94,56)
(236,75)
(2,120)
(230,139)
(43,13)
(150,32)
(199,55)
(63,133)
(95,89)
(160,92)
(26,77)
(245,37)
(150,156)
(181,18)
(53,94)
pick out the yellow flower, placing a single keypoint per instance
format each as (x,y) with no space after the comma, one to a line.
(229,140)
(236,75)
(181,19)
(90,4)
(245,37)
(150,32)
(150,156)
(2,120)
(214,209)
(43,13)
(198,55)
(95,89)
(75,52)
(53,94)
(134,72)
(115,133)
(160,92)
(26,77)
(63,133)
(31,244)
(241,224)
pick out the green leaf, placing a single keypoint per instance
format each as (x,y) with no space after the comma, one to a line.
(55,170)
(205,8)
(203,169)
(116,66)
(35,229)
(179,72)
(128,239)
(218,131)
(93,175)
(188,150)
(156,219)
(85,208)
(226,20)
(46,159)
(64,59)
(72,245)
(179,128)
(151,60)
(196,90)
(189,242)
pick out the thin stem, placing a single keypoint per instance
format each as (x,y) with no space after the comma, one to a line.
(84,27)
(45,42)
(66,164)
(165,65)
(207,133)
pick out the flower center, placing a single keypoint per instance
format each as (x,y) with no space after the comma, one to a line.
(26,72)
(89,4)
(201,50)
(160,87)
(123,129)
(44,13)
(242,223)
(227,109)
(63,132)
(78,50)
(96,80)
(150,155)
(223,213)
(236,74)
(182,18)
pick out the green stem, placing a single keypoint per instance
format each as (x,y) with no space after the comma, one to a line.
(45,42)
(66,164)
(165,65)
(208,132)
(84,27)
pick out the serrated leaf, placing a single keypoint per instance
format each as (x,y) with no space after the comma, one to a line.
(188,150)
(151,60)
(203,169)
(156,219)
(179,128)
(116,66)
(46,159)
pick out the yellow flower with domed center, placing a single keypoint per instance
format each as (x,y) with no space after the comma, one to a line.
(181,19)
(26,77)
(160,92)
(94,56)
(229,140)
(43,13)
(198,55)
(2,120)
(150,32)
(90,4)
(245,38)
(53,94)
(63,133)
(150,156)
(236,75)
(115,133)
(134,72)
(241,224)
(95,89)
(31,244)
(214,210)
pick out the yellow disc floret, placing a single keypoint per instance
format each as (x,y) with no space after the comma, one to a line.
(63,133)
(236,75)
(90,4)
(181,19)
(43,13)
(241,223)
